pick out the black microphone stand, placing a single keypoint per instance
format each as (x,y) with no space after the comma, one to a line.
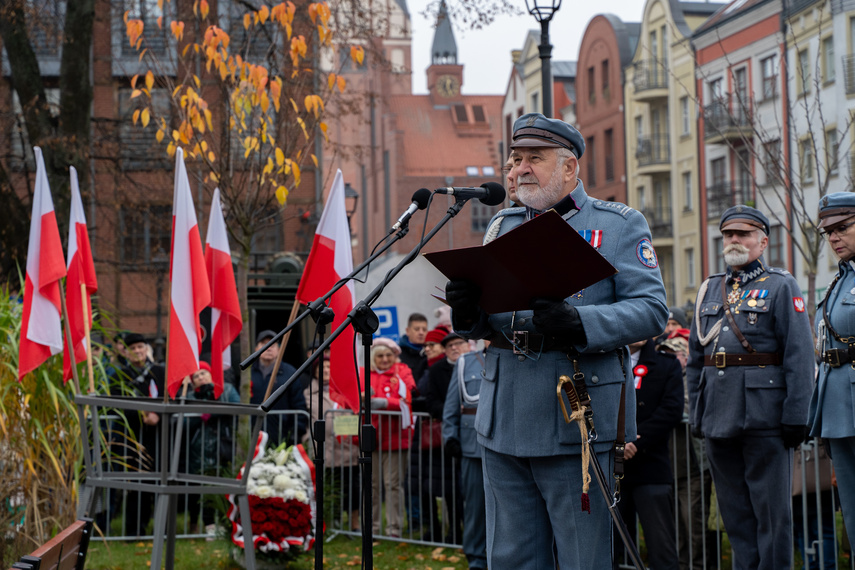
(364,322)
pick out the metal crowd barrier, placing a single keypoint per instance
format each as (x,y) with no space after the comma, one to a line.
(431,505)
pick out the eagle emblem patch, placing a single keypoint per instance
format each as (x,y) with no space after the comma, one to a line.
(646,255)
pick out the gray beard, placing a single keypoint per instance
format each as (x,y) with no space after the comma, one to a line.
(736,259)
(542,197)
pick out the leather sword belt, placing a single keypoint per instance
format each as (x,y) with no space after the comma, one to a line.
(722,360)
(469,411)
(837,357)
(531,342)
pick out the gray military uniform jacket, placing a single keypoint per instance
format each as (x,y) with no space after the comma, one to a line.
(519,413)
(768,308)
(463,393)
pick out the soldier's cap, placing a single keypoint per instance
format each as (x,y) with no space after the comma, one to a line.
(536,130)
(264,336)
(679,315)
(744,218)
(836,207)
(133,338)
(450,337)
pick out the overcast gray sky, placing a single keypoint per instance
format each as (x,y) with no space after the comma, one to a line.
(486,54)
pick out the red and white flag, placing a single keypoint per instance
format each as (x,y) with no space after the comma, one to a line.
(331,259)
(226,321)
(41,329)
(81,271)
(189,289)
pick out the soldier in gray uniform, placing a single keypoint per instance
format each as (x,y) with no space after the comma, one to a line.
(532,460)
(832,407)
(458,433)
(749,376)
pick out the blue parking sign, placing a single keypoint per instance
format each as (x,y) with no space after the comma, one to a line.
(388,317)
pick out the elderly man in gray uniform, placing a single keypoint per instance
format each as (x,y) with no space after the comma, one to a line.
(749,374)
(533,478)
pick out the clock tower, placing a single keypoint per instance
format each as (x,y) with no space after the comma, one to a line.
(444,76)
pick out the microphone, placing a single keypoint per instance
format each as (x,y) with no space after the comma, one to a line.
(490,193)
(420,200)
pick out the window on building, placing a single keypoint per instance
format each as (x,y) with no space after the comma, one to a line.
(745,188)
(690,267)
(460,115)
(717,166)
(481,215)
(639,129)
(772,160)
(592,95)
(642,199)
(473,171)
(716,90)
(20,146)
(535,103)
(604,71)
(769,70)
(478,113)
(591,167)
(139,147)
(685,116)
(803,71)
(740,89)
(145,234)
(806,159)
(828,71)
(718,258)
(654,46)
(775,250)
(688,197)
(609,144)
(488,171)
(831,151)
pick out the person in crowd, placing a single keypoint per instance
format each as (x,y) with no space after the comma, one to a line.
(280,427)
(391,385)
(749,376)
(145,379)
(439,478)
(461,444)
(532,458)
(832,405)
(412,344)
(211,440)
(692,476)
(341,453)
(647,490)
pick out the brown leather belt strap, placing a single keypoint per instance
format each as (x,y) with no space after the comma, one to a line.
(468,411)
(837,357)
(722,360)
(745,344)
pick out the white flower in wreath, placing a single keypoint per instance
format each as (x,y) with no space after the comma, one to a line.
(283,482)
(263,492)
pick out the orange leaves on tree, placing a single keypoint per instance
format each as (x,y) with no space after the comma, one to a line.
(298,50)
(262,14)
(149,80)
(357,54)
(204,8)
(178,30)
(334,81)
(134,29)
(276,92)
(314,104)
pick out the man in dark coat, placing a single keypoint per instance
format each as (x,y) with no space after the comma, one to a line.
(280,427)
(646,490)
(412,344)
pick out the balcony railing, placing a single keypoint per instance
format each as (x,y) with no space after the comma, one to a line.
(849,73)
(650,74)
(659,220)
(654,149)
(723,195)
(728,117)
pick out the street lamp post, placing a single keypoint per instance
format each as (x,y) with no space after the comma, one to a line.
(543,10)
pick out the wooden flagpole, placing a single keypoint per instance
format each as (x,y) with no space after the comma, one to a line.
(282,345)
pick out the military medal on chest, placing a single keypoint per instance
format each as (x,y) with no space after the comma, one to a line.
(756,297)
(733,295)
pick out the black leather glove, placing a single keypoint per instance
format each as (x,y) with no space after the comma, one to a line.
(453,449)
(463,296)
(792,435)
(558,318)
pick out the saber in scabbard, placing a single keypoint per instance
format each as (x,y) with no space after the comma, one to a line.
(582,414)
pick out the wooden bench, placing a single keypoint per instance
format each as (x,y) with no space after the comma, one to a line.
(65,551)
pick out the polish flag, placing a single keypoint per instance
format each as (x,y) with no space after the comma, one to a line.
(331,259)
(81,271)
(189,289)
(41,328)
(226,321)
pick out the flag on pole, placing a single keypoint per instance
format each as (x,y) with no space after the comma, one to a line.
(226,321)
(41,328)
(189,290)
(330,259)
(81,271)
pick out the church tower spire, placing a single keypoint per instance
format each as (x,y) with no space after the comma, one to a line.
(445,75)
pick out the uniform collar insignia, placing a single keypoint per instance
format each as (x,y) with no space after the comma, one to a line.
(747,273)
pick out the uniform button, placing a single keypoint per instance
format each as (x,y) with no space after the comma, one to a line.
(771,381)
(521,321)
(595,379)
(521,357)
(721,372)
(725,328)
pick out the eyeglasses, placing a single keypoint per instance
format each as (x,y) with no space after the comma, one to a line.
(506,170)
(839,230)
